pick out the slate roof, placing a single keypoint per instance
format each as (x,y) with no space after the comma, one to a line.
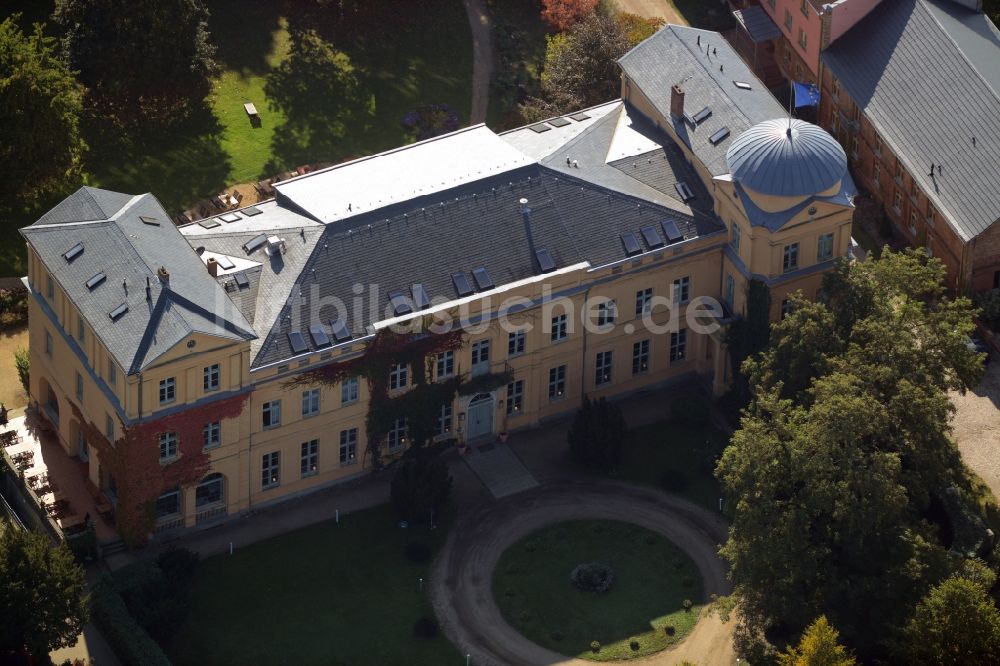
(926,74)
(674,56)
(129,250)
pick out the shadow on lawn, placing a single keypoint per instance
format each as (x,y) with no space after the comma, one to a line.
(244,31)
(180,162)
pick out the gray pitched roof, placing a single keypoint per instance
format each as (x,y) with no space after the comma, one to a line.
(674,56)
(927,76)
(85,205)
(128,248)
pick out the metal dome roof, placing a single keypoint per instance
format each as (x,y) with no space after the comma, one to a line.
(788,158)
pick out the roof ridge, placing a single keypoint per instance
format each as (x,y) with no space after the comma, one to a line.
(711,76)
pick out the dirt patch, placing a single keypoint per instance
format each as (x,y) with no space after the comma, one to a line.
(977,426)
(11,393)
(652,9)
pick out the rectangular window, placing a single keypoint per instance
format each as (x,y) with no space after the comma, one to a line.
(270,470)
(790,261)
(788,20)
(930,214)
(444,420)
(735,237)
(398,376)
(682,290)
(913,222)
(899,171)
(309,460)
(559,328)
(602,373)
(640,357)
(48,344)
(349,391)
(212,435)
(877,140)
(310,402)
(804,8)
(480,357)
(348,446)
(786,307)
(168,504)
(803,39)
(897,200)
(112,373)
(168,446)
(81,330)
(168,390)
(445,364)
(271,414)
(824,249)
(209,491)
(79,387)
(557,382)
(730,292)
(109,428)
(678,345)
(643,301)
(50,287)
(210,378)
(515,397)
(515,343)
(606,313)
(877,174)
(397,435)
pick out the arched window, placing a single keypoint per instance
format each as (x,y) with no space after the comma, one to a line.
(210,491)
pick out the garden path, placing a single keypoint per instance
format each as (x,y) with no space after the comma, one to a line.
(482,58)
(461,582)
(500,470)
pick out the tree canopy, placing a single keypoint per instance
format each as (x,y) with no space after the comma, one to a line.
(844,448)
(819,646)
(564,14)
(150,56)
(40,108)
(43,604)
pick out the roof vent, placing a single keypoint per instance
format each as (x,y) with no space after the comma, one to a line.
(275,246)
(524,204)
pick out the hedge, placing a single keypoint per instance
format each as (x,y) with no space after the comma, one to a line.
(129,641)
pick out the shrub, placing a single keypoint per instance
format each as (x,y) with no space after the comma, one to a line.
(129,641)
(421,486)
(669,630)
(557,636)
(157,592)
(83,545)
(178,565)
(595,646)
(425,627)
(687,604)
(674,480)
(691,410)
(593,577)
(417,551)
(634,644)
(13,307)
(597,434)
(989,303)
(22,360)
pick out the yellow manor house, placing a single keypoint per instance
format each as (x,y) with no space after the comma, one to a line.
(602,226)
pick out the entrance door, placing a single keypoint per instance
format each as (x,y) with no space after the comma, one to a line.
(81,444)
(479,419)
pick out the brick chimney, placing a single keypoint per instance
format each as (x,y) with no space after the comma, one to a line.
(677,101)
(163,275)
(213,267)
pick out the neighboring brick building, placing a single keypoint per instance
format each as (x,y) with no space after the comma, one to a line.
(916,86)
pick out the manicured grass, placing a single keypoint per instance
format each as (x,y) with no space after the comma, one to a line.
(684,455)
(326,594)
(532,587)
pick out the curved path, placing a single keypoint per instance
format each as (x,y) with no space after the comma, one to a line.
(482,58)
(462,579)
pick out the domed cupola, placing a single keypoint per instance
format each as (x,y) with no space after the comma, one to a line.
(786,158)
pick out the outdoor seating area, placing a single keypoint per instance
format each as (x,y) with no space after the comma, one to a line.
(56,482)
(243,194)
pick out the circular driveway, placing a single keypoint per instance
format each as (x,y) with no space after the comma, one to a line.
(462,578)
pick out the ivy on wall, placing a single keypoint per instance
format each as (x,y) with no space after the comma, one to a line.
(133,460)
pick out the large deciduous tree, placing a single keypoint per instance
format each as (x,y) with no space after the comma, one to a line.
(844,448)
(43,604)
(146,56)
(40,107)
(564,14)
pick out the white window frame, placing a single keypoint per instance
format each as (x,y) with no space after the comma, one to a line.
(682,290)
(112,373)
(310,402)
(825,242)
(515,397)
(271,414)
(399,375)
(176,493)
(480,357)
(445,364)
(109,428)
(270,470)
(81,329)
(50,287)
(557,382)
(603,368)
(790,258)
(643,301)
(309,458)
(516,343)
(168,446)
(736,236)
(560,328)
(396,439)
(607,312)
(350,390)
(348,446)
(168,390)
(730,295)
(79,387)
(217,479)
(640,357)
(445,418)
(48,344)
(211,375)
(678,345)
(211,435)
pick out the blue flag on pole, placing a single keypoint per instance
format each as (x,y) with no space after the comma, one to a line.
(806,94)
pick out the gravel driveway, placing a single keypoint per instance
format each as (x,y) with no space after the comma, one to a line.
(977,426)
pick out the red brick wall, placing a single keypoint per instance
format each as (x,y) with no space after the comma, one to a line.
(986,258)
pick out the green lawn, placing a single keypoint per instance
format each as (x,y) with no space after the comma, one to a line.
(405,54)
(326,594)
(652,578)
(685,455)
